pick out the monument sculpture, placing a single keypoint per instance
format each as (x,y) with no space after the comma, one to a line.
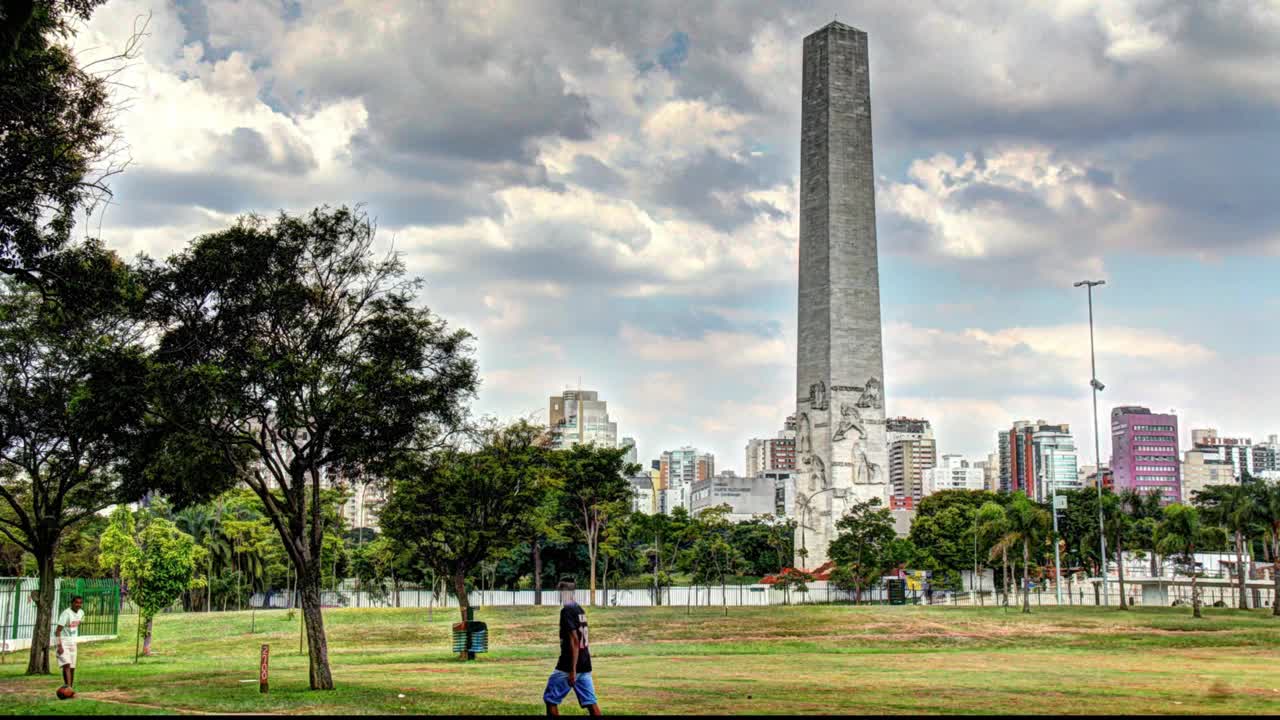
(841,448)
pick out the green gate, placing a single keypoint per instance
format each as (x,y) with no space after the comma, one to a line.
(18,607)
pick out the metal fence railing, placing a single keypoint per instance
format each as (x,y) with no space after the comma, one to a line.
(18,608)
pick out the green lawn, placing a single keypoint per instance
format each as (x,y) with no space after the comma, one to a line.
(755,660)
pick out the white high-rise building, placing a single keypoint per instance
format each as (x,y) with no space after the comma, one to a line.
(580,417)
(1239,452)
(954,473)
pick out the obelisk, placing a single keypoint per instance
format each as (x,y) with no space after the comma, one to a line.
(841,451)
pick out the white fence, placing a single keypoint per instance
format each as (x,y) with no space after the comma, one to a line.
(678,596)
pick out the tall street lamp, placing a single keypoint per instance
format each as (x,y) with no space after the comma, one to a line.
(804,521)
(1089,285)
(1057,557)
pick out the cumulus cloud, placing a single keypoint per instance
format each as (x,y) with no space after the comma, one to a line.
(610,189)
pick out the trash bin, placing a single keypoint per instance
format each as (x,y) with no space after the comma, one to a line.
(470,637)
(897,588)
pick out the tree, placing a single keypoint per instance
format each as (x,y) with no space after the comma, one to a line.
(862,544)
(765,542)
(291,356)
(663,538)
(459,508)
(712,557)
(1026,524)
(1078,528)
(993,526)
(943,529)
(615,549)
(158,564)
(205,527)
(70,389)
(1267,509)
(1180,534)
(594,483)
(546,526)
(1234,508)
(57,143)
(1145,509)
(1119,526)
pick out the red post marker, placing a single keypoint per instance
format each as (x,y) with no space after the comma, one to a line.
(262,668)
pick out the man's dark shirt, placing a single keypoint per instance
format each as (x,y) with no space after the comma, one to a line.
(573,617)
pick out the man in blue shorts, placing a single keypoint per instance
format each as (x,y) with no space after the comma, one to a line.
(573,670)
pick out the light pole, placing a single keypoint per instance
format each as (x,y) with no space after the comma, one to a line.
(973,586)
(1057,557)
(804,521)
(1089,285)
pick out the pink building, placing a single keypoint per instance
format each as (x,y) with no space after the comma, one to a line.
(1144,452)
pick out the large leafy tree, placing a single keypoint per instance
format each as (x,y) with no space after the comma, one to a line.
(863,546)
(663,538)
(594,489)
(57,144)
(1235,509)
(1078,529)
(765,541)
(459,508)
(71,381)
(546,526)
(712,557)
(943,530)
(291,356)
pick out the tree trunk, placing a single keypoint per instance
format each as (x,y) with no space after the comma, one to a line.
(1275,573)
(317,645)
(657,569)
(146,638)
(38,659)
(1244,599)
(1124,601)
(1195,594)
(537,571)
(460,592)
(1004,558)
(604,580)
(592,550)
(1026,565)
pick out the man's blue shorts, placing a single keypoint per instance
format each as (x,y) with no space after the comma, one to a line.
(558,688)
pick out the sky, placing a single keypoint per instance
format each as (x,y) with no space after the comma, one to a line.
(606,193)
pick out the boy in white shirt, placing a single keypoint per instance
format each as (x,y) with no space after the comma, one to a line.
(67,633)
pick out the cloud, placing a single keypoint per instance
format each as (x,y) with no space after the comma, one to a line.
(610,189)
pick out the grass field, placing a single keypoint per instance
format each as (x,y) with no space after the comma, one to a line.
(755,660)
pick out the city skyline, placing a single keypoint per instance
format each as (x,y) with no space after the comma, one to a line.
(618,204)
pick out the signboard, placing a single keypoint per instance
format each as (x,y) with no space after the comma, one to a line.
(1059,502)
(916,579)
(262,668)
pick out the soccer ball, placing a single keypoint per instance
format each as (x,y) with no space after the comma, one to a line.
(66,693)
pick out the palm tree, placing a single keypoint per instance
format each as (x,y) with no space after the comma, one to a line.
(1267,505)
(203,526)
(1027,525)
(1180,532)
(992,527)
(1146,509)
(1119,528)
(1233,507)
